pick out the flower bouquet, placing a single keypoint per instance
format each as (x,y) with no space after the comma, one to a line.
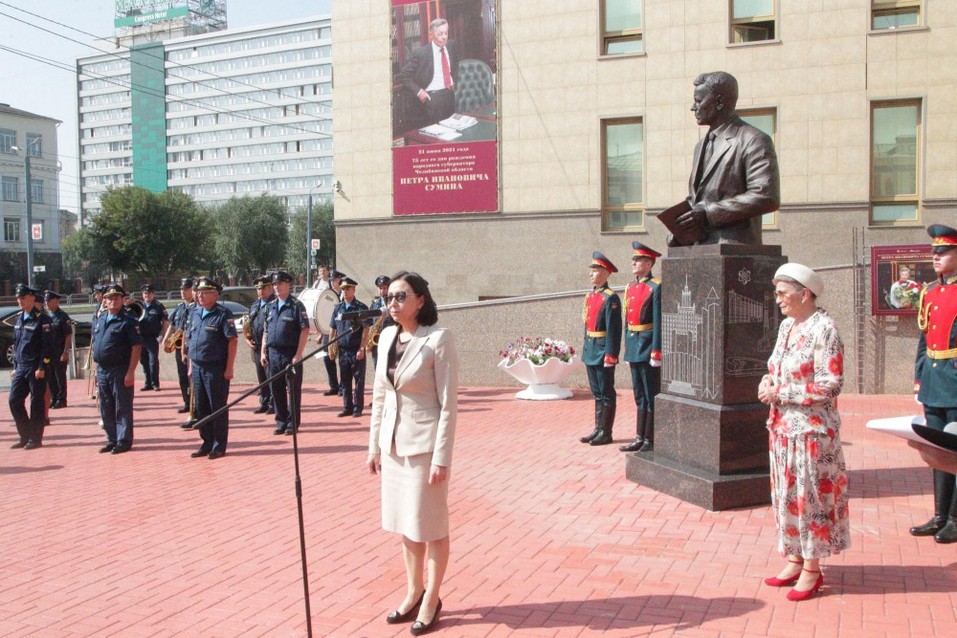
(541,364)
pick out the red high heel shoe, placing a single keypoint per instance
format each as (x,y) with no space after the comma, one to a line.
(798,596)
(774,581)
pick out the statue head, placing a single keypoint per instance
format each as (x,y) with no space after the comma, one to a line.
(715,97)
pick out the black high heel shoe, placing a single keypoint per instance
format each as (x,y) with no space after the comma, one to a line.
(418,627)
(397,617)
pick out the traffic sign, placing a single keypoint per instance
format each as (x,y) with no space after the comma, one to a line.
(39,269)
(315,246)
(37,232)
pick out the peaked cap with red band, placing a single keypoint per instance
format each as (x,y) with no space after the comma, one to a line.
(644,251)
(942,238)
(600,261)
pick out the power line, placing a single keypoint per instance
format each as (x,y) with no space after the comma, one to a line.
(146,54)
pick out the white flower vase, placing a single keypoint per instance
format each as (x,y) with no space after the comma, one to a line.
(542,380)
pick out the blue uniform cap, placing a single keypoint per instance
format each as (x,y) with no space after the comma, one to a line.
(186,282)
(24,290)
(147,288)
(281,275)
(348,283)
(114,289)
(51,294)
(205,283)
(382,280)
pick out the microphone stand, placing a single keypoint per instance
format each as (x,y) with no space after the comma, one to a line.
(290,371)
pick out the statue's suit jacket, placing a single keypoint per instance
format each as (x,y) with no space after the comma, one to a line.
(739,184)
(419,410)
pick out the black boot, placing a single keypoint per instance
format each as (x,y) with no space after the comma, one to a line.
(943,497)
(635,445)
(605,426)
(947,533)
(597,430)
(649,437)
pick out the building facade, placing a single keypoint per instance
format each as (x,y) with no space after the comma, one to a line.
(25,135)
(216,115)
(595,138)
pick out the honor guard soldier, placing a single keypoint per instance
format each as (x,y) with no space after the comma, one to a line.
(116,350)
(936,371)
(32,353)
(352,355)
(382,283)
(153,324)
(62,340)
(211,348)
(177,323)
(643,343)
(285,335)
(257,323)
(602,318)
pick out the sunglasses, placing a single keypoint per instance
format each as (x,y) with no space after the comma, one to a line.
(400,296)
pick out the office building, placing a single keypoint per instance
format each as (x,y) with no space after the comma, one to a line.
(29,135)
(215,115)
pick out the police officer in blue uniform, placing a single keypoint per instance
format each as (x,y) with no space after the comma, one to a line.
(936,371)
(212,346)
(116,350)
(330,363)
(153,324)
(352,353)
(285,336)
(62,340)
(32,352)
(177,321)
(257,323)
(601,315)
(643,343)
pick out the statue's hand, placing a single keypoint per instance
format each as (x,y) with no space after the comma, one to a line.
(694,218)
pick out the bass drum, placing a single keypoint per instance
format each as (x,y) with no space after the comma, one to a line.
(319,306)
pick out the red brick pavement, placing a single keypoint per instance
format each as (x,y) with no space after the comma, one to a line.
(549,538)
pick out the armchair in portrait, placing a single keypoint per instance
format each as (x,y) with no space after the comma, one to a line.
(475,88)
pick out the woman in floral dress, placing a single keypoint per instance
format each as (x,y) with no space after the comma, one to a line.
(808,475)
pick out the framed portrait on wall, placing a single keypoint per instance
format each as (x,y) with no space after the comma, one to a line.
(898,273)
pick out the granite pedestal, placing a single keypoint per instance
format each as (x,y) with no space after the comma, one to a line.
(719,326)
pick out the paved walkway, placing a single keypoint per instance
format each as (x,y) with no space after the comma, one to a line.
(549,538)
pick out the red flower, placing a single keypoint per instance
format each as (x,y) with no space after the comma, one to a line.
(836,364)
(823,532)
(792,531)
(815,420)
(796,507)
(826,486)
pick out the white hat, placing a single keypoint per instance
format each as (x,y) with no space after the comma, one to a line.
(803,275)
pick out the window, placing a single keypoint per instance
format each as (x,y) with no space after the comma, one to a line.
(766,121)
(621,27)
(11,189)
(753,20)
(11,229)
(34,145)
(36,191)
(622,174)
(895,14)
(8,139)
(895,149)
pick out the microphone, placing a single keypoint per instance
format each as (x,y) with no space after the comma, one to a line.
(363,315)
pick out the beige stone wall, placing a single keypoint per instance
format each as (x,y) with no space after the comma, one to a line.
(554,90)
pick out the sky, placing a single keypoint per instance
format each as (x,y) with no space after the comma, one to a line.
(47,90)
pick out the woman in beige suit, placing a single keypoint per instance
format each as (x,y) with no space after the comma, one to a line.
(413,428)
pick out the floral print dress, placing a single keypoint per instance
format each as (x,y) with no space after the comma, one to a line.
(808,475)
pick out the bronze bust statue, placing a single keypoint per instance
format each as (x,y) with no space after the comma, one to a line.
(734,179)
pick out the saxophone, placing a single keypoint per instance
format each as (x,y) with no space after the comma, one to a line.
(374,333)
(248,329)
(174,341)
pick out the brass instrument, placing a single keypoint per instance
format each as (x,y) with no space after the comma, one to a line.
(333,351)
(374,332)
(248,329)
(174,341)
(136,308)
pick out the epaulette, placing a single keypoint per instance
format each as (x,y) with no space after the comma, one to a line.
(656,280)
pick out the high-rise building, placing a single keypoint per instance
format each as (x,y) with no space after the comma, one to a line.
(28,136)
(220,114)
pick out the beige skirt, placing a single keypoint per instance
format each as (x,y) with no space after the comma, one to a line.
(410,506)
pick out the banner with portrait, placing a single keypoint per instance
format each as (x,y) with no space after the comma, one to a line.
(444,107)
(897,275)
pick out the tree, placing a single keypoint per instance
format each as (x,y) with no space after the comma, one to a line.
(151,233)
(251,233)
(83,255)
(322,229)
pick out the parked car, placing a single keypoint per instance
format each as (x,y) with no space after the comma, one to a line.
(8,315)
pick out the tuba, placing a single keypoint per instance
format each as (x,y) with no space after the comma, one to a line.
(135,308)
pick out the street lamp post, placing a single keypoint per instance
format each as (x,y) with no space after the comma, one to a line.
(28,195)
(309,240)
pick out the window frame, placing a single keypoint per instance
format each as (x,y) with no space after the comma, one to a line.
(769,221)
(735,23)
(5,182)
(36,191)
(914,198)
(11,222)
(625,35)
(31,145)
(896,7)
(630,207)
(4,146)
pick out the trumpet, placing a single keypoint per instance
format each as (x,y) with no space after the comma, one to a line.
(174,341)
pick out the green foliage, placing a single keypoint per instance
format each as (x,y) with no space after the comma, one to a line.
(251,233)
(322,228)
(139,231)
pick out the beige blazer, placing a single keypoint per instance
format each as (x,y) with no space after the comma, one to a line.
(419,411)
